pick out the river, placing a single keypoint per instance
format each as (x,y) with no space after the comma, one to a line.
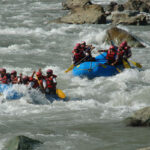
(93,117)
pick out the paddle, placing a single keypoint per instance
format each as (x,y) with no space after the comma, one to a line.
(126,64)
(135,63)
(70,68)
(41,87)
(60,94)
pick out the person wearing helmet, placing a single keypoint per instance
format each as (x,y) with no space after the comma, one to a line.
(14,78)
(50,82)
(119,56)
(111,55)
(87,50)
(3,76)
(123,53)
(41,81)
(127,50)
(25,80)
(33,83)
(78,55)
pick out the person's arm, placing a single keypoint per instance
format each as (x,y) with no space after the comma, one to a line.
(116,60)
(20,80)
(33,74)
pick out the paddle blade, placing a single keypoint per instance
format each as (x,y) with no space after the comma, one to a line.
(136,64)
(60,94)
(126,64)
(118,69)
(69,69)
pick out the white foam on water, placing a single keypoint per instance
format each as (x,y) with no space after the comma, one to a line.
(44,6)
(2,143)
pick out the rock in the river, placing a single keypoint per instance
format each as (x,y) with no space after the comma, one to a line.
(22,143)
(128,18)
(118,35)
(70,4)
(139,5)
(92,14)
(139,118)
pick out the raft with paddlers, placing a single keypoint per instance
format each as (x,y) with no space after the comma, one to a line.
(97,68)
(110,62)
(8,92)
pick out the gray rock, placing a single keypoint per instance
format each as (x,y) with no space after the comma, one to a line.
(139,118)
(22,143)
(140,5)
(92,14)
(118,35)
(129,18)
(70,4)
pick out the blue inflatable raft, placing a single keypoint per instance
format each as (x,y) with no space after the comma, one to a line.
(9,93)
(96,68)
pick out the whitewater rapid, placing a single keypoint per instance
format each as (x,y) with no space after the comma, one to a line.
(92,118)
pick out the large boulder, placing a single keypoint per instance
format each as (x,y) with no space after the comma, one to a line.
(118,35)
(92,14)
(22,143)
(70,4)
(139,118)
(140,5)
(128,18)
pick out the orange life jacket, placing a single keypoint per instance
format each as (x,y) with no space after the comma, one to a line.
(120,53)
(49,82)
(3,79)
(78,56)
(111,55)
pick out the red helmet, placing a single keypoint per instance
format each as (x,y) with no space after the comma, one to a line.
(25,78)
(39,74)
(3,70)
(112,47)
(49,71)
(75,48)
(78,45)
(123,44)
(83,43)
(30,79)
(13,72)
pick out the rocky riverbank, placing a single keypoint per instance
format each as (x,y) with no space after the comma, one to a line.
(133,12)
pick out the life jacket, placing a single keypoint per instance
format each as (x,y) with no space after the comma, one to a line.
(3,80)
(120,53)
(35,83)
(14,80)
(78,56)
(81,49)
(111,55)
(49,82)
